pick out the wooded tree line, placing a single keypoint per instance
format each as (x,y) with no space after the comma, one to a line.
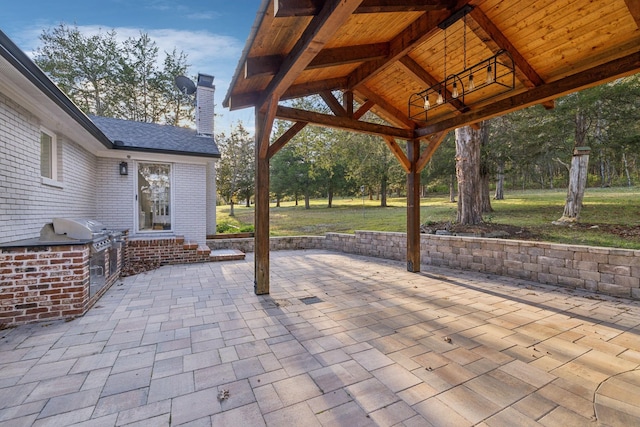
(127,80)
(530,148)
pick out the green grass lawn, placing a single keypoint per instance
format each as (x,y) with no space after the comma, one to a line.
(615,211)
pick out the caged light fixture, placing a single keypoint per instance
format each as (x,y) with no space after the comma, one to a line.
(499,70)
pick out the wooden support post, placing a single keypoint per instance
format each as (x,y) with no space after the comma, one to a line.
(413,207)
(264,122)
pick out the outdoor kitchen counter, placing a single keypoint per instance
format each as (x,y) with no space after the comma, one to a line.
(37,242)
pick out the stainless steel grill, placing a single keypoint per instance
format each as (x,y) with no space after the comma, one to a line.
(101,240)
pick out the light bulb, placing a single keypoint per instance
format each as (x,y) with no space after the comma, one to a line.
(489,75)
(471,86)
(427,104)
(454,91)
(440,100)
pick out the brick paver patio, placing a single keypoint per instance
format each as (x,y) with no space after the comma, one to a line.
(342,340)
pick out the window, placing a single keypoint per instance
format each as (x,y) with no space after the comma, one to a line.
(48,155)
(154,197)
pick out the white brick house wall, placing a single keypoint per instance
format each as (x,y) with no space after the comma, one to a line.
(116,194)
(26,204)
(190,201)
(88,186)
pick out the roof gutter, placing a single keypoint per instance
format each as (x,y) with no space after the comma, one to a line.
(21,62)
(262,12)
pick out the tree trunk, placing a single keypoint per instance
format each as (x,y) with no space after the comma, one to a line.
(626,168)
(307,198)
(277,201)
(383,192)
(232,211)
(499,195)
(452,188)
(468,143)
(485,198)
(577,174)
(330,197)
(248,202)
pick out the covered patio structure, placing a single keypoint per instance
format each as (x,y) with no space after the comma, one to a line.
(424,67)
(364,343)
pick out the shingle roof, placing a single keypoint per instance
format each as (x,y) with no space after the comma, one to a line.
(140,136)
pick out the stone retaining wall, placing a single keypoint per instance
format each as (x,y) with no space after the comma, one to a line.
(609,271)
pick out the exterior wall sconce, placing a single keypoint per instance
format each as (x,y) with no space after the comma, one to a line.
(124,168)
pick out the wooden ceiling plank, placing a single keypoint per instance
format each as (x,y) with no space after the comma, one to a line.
(296,115)
(332,16)
(600,74)
(397,151)
(284,138)
(413,35)
(289,8)
(333,103)
(392,115)
(634,9)
(495,40)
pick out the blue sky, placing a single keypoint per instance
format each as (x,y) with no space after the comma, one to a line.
(212,33)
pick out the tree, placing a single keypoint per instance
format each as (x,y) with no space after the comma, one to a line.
(468,141)
(121,80)
(84,67)
(236,169)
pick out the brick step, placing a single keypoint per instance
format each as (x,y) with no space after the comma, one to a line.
(226,255)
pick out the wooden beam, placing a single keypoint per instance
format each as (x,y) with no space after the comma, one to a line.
(397,151)
(426,155)
(295,115)
(312,88)
(268,118)
(270,64)
(413,35)
(495,40)
(347,101)
(284,138)
(333,103)
(288,8)
(634,9)
(332,15)
(363,109)
(600,74)
(413,207)
(385,110)
(261,214)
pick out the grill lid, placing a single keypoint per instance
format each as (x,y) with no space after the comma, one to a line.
(78,228)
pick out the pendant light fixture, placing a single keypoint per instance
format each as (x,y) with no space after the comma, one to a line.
(499,69)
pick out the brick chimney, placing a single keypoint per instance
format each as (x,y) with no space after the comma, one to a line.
(204,105)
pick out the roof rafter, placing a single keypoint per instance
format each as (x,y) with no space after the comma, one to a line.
(270,64)
(603,73)
(332,15)
(634,9)
(288,8)
(297,115)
